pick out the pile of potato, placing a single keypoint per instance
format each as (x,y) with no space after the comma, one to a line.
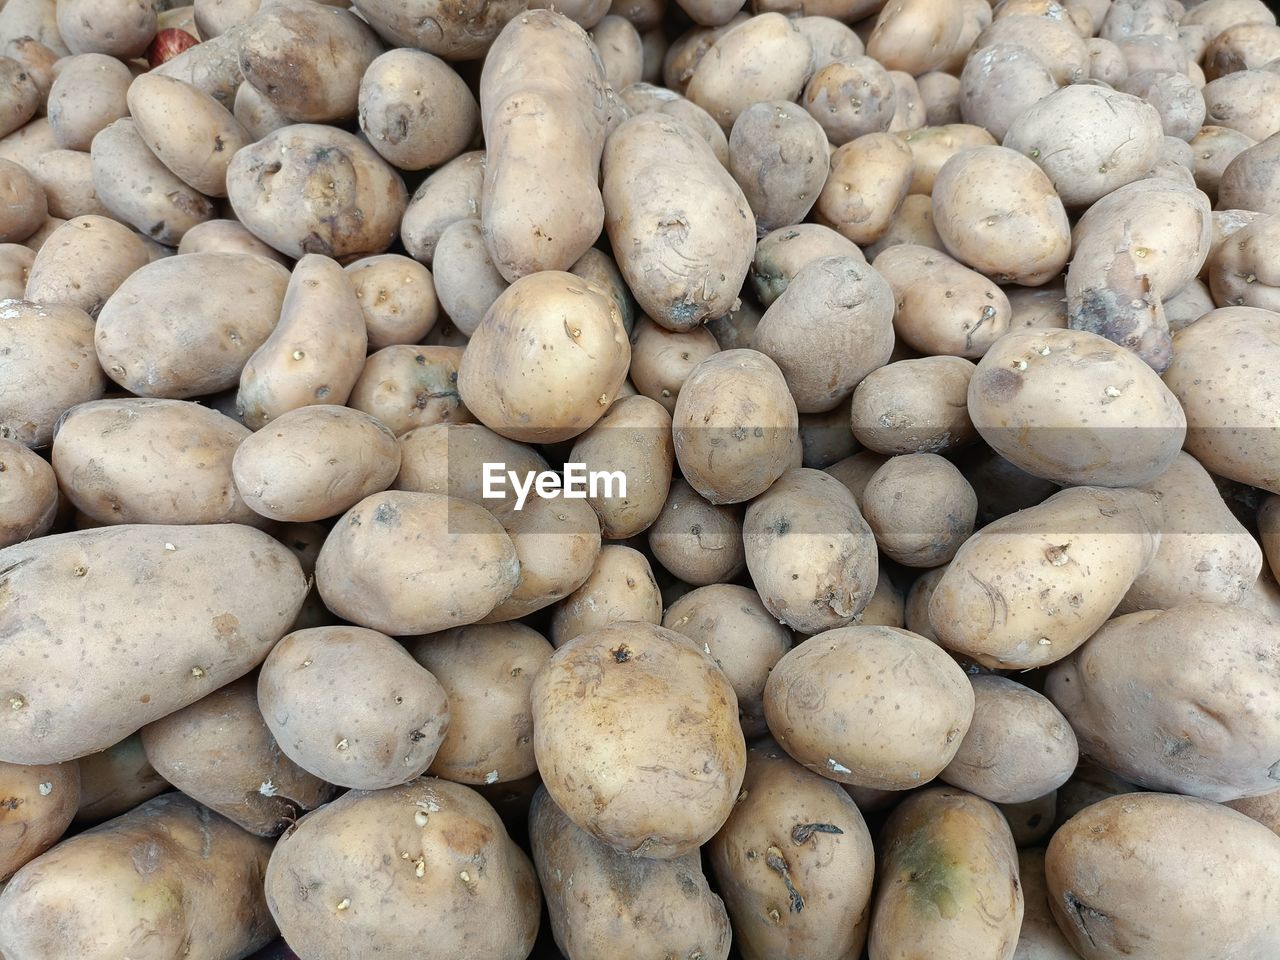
(934,340)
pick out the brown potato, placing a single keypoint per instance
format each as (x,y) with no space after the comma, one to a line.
(67,179)
(869,179)
(115,780)
(397,296)
(915,35)
(28,494)
(226,236)
(1265,809)
(920,509)
(406,387)
(783,253)
(850,97)
(449,194)
(37,806)
(83,262)
(647,98)
(469,281)
(87,95)
(621,587)
(212,66)
(778,155)
(23,202)
(449,459)
(765,58)
(1000,82)
(914,406)
(698,541)
(452,32)
(662,359)
(15,267)
(415,110)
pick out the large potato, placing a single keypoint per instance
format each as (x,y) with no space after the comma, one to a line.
(83,262)
(1112,869)
(455,31)
(1002,81)
(28,495)
(415,110)
(1075,408)
(121,28)
(666,776)
(621,587)
(1030,588)
(37,806)
(92,656)
(849,97)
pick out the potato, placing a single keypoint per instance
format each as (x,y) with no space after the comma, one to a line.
(850,97)
(916,36)
(1120,426)
(621,587)
(398,717)
(83,262)
(940,95)
(680,226)
(449,458)
(1252,180)
(856,470)
(448,31)
(1214,148)
(1000,82)
(661,359)
(1093,541)
(87,95)
(212,66)
(778,155)
(1106,61)
(621,51)
(653,796)
(1042,307)
(227,236)
(825,438)
(138,189)
(869,179)
(831,327)
(37,806)
(415,110)
(315,462)
(931,147)
(562,395)
(1205,554)
(220,752)
(765,58)
(1002,487)
(909,112)
(599,268)
(1106,895)
(914,406)
(406,387)
(1218,15)
(912,224)
(360,575)
(67,179)
(28,142)
(15,267)
(698,541)
(28,495)
(1019,747)
(794,826)
(1228,432)
(23,203)
(920,509)
(185,327)
(150,461)
(1241,272)
(257,114)
(269,186)
(172,879)
(906,731)
(49,368)
(32,18)
(449,194)
(425,868)
(397,296)
(116,780)
(1039,938)
(948,880)
(316,351)
(618,904)
(783,253)
(1188,305)
(244,590)
(1265,809)
(120,28)
(646,98)
(469,281)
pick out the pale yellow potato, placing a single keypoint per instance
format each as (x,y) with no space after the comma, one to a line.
(621,587)
(415,110)
(599,268)
(449,194)
(1241,270)
(765,58)
(87,95)
(909,112)
(28,494)
(83,262)
(1244,101)
(698,541)
(914,406)
(916,35)
(449,459)
(397,296)
(662,359)
(940,94)
(869,179)
(15,268)
(23,203)
(28,142)
(32,18)
(850,97)
(1265,809)
(931,147)
(39,803)
(226,236)
(67,179)
(406,387)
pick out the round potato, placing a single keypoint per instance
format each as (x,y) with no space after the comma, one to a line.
(397,296)
(621,587)
(449,458)
(851,97)
(920,508)
(406,387)
(698,541)
(783,253)
(914,406)
(1000,82)
(28,494)
(662,359)
(870,178)
(415,110)
(39,802)
(88,94)
(915,35)
(778,155)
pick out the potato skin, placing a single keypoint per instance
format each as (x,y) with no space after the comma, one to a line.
(398,298)
(408,387)
(783,253)
(914,406)
(83,262)
(37,804)
(477,890)
(948,880)
(1111,866)
(764,58)
(454,31)
(28,496)
(620,905)
(819,696)
(172,879)
(447,195)
(920,508)
(778,155)
(115,780)
(661,359)
(416,111)
(868,182)
(649,794)
(698,541)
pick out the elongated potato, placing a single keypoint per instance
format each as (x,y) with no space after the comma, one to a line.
(39,803)
(914,406)
(778,155)
(783,253)
(83,262)
(449,194)
(89,616)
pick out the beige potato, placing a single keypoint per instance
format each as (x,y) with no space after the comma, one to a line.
(269,187)
(406,387)
(32,18)
(115,780)
(599,268)
(916,35)
(220,752)
(428,863)
(83,262)
(67,179)
(1032,823)
(37,807)
(914,406)
(87,95)
(783,253)
(831,327)
(778,155)
(621,51)
(562,394)
(1265,809)
(415,110)
(1244,101)
(28,142)
(1105,895)
(486,672)
(850,97)
(1075,408)
(226,236)
(449,459)
(23,203)
(920,509)
(940,94)
(653,796)
(186,326)
(698,541)
(1002,487)
(1241,270)
(1039,938)
(1251,182)
(999,82)
(468,281)
(1188,305)
(15,268)
(825,438)
(1106,61)
(49,367)
(28,494)
(830,708)
(931,147)
(316,351)
(448,31)
(856,470)
(363,564)
(948,880)
(662,359)
(647,98)
(1214,148)
(449,194)
(765,58)
(212,66)
(621,587)
(1092,542)
(171,878)
(120,28)
(869,179)
(397,716)
(397,296)
(912,224)
(258,115)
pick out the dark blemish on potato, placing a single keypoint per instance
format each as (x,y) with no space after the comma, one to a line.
(218,144)
(322,392)
(621,653)
(386,514)
(1081,914)
(782,526)
(1001,385)
(801,833)
(420,359)
(417,736)
(11,803)
(776,862)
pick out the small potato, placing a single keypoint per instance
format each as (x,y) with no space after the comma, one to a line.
(67,179)
(39,802)
(783,253)
(697,541)
(1039,938)
(914,406)
(449,459)
(149,461)
(909,113)
(916,35)
(830,37)
(940,94)
(219,751)
(116,780)
(449,194)
(831,327)
(765,58)
(1188,306)
(661,360)
(467,280)
(192,873)
(1106,895)
(1106,62)
(87,96)
(931,147)
(415,110)
(912,224)
(1245,101)
(1251,181)
(120,28)
(23,204)
(1242,270)
(256,113)
(1019,747)
(564,393)
(28,142)
(735,426)
(1121,426)
(825,437)
(621,587)
(1214,148)
(226,236)
(83,262)
(1265,809)
(16,260)
(397,296)
(1000,82)
(37,59)
(49,367)
(920,508)
(28,495)
(1002,487)
(405,387)
(850,98)
(486,672)
(1096,540)
(425,867)
(185,327)
(830,707)
(778,155)
(621,51)
(651,796)
(806,828)
(398,711)
(316,351)
(869,179)
(1218,15)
